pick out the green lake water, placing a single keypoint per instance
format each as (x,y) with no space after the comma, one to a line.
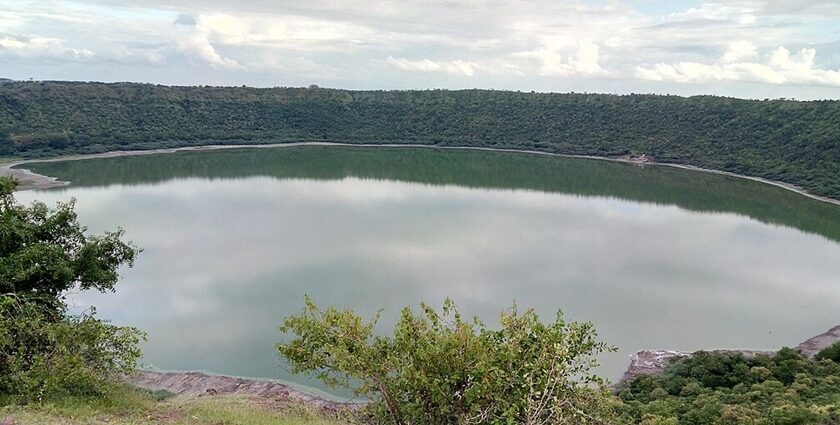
(656,257)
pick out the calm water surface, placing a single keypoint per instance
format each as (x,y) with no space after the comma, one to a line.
(655,257)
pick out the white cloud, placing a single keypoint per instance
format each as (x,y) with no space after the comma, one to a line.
(136,56)
(818,8)
(196,43)
(780,67)
(284,63)
(267,42)
(286,31)
(738,51)
(457,67)
(743,15)
(42,48)
(512,44)
(562,56)
(9,20)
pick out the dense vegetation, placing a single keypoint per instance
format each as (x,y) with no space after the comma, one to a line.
(436,369)
(439,368)
(794,142)
(45,352)
(729,388)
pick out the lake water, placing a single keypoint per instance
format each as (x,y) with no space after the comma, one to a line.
(656,257)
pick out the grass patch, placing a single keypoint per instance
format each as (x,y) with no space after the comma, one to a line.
(125,405)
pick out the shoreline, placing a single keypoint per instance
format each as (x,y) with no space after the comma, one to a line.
(30,180)
(198,384)
(195,383)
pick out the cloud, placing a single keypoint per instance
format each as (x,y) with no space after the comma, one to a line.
(739,50)
(274,62)
(10,20)
(186,20)
(134,56)
(41,48)
(553,45)
(779,67)
(561,56)
(457,67)
(284,31)
(744,15)
(264,43)
(196,44)
(821,8)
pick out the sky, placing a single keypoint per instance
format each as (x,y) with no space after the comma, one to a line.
(740,48)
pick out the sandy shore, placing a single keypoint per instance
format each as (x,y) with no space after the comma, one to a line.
(30,180)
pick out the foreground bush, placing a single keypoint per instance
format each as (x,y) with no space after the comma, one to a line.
(438,368)
(42,358)
(45,353)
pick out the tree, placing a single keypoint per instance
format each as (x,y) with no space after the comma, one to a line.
(438,368)
(44,352)
(44,253)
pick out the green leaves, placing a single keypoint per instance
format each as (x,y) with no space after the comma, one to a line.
(45,252)
(717,388)
(45,353)
(42,357)
(439,368)
(831,352)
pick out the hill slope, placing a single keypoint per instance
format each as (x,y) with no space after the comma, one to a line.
(789,141)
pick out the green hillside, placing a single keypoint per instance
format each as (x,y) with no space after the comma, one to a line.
(790,141)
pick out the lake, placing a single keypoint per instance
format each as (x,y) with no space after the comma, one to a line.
(655,257)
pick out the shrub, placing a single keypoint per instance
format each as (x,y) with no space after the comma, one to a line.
(44,352)
(439,368)
(42,358)
(831,352)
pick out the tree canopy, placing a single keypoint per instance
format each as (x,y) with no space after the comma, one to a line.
(730,388)
(45,252)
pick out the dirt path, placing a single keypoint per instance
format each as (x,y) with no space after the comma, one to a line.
(30,180)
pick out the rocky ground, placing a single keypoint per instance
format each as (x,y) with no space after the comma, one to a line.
(198,383)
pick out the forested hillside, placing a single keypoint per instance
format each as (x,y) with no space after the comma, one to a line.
(789,141)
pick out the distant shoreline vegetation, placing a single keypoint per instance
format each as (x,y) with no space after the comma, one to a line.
(781,140)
